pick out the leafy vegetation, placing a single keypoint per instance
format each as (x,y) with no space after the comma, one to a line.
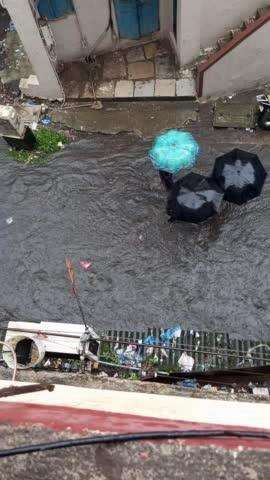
(48,142)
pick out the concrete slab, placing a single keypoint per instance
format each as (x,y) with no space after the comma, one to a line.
(144,89)
(105,90)
(150,50)
(114,66)
(164,67)
(212,412)
(135,55)
(185,87)
(165,88)
(145,119)
(235,115)
(124,89)
(141,70)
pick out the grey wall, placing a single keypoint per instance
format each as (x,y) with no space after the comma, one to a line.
(200,23)
(218,16)
(91,21)
(243,67)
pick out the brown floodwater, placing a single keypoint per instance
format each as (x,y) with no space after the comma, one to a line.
(101,200)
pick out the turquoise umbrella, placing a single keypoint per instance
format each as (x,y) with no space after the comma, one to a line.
(174,150)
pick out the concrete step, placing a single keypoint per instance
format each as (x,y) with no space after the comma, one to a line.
(135,89)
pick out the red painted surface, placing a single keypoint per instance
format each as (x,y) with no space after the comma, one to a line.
(236,40)
(84,421)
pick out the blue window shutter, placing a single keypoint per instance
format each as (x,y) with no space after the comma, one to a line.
(52,9)
(148,16)
(127,18)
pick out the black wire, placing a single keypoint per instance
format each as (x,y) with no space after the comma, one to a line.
(133,437)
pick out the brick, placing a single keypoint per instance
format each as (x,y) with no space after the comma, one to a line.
(164,67)
(150,50)
(124,89)
(144,89)
(185,87)
(165,88)
(105,90)
(135,55)
(114,66)
(141,70)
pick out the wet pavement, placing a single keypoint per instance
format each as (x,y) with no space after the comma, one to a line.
(100,199)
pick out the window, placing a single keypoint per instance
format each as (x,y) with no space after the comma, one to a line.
(52,9)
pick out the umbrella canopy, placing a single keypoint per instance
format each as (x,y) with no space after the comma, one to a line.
(174,150)
(194,198)
(240,174)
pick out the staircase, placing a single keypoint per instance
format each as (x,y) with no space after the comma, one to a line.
(211,56)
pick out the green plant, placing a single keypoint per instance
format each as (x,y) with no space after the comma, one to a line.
(48,141)
(108,355)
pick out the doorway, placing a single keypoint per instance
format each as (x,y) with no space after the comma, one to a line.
(137,18)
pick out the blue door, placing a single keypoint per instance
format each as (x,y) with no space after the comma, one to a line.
(52,9)
(137,18)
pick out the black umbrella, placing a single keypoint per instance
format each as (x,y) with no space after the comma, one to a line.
(240,174)
(194,198)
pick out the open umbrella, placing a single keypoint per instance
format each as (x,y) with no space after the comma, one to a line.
(240,174)
(194,198)
(171,152)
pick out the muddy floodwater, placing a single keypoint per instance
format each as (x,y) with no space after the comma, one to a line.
(100,200)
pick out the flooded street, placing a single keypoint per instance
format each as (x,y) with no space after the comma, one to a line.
(101,200)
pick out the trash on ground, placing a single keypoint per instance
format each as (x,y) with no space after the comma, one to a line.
(85,264)
(11,27)
(9,220)
(46,120)
(186,363)
(210,388)
(171,334)
(188,383)
(261,392)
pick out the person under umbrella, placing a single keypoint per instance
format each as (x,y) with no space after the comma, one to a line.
(240,174)
(171,152)
(194,198)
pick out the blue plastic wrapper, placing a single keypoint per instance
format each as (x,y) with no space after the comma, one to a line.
(174,150)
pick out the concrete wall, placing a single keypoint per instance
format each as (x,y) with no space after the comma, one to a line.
(218,16)
(244,67)
(48,83)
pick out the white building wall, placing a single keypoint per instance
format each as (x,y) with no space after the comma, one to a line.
(242,68)
(218,16)
(200,23)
